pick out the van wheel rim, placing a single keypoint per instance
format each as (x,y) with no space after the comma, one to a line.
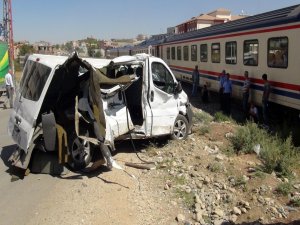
(80,150)
(179,129)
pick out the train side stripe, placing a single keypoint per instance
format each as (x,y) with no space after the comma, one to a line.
(254,85)
(293,87)
(291,27)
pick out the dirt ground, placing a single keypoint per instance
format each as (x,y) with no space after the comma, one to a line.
(195,182)
(107,197)
(167,195)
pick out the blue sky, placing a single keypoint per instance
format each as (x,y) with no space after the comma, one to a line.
(57,21)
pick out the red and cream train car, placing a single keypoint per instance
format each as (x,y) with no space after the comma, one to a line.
(265,43)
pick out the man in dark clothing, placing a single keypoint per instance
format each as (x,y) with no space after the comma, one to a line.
(195,78)
(205,94)
(221,89)
(265,98)
(245,89)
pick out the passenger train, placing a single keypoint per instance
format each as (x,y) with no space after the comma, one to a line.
(265,43)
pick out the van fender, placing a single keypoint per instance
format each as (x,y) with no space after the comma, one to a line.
(186,111)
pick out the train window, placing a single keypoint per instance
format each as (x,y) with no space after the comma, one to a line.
(251,52)
(178,52)
(215,52)
(194,52)
(203,53)
(230,52)
(186,53)
(173,53)
(278,52)
(168,52)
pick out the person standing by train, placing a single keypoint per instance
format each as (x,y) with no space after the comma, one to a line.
(195,78)
(221,89)
(265,99)
(245,90)
(227,87)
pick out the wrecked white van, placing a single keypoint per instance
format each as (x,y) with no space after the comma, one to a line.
(76,106)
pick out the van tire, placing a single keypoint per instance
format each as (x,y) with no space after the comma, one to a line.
(80,151)
(180,129)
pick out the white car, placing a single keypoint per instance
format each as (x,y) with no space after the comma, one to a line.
(75,106)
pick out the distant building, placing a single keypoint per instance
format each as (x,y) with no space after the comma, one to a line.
(206,20)
(141,37)
(107,44)
(222,14)
(171,30)
(43,47)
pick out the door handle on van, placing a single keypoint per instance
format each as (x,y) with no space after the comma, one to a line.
(151,96)
(18,120)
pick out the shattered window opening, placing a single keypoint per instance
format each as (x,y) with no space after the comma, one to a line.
(34,79)
(162,78)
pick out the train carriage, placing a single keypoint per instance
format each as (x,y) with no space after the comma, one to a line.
(265,43)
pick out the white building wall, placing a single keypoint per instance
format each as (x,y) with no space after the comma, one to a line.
(200,26)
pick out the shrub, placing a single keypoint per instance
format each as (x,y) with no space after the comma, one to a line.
(204,130)
(284,188)
(228,150)
(179,180)
(187,198)
(220,117)
(270,155)
(247,137)
(215,167)
(279,156)
(260,174)
(295,202)
(239,181)
(202,117)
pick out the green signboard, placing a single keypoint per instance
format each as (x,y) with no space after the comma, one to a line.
(4,61)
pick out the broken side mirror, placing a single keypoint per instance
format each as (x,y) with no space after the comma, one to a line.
(178,88)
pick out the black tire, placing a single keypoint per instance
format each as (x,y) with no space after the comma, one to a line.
(180,130)
(80,152)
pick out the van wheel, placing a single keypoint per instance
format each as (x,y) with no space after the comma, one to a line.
(180,130)
(80,152)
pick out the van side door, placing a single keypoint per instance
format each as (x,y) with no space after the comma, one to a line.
(161,97)
(33,87)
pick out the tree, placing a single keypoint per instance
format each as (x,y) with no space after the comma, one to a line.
(69,46)
(97,54)
(26,49)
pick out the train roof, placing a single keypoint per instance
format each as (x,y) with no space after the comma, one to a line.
(124,48)
(153,41)
(272,18)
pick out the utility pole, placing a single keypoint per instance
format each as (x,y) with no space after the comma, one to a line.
(8,30)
